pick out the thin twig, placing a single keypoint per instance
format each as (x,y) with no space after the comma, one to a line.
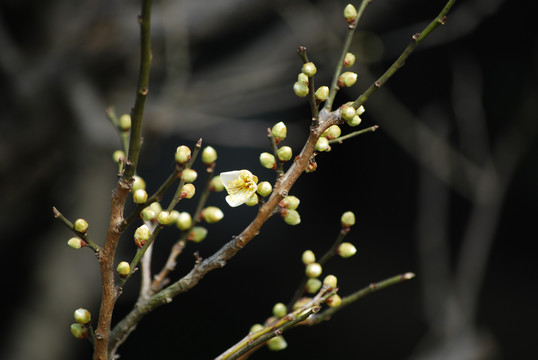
(353,134)
(69,224)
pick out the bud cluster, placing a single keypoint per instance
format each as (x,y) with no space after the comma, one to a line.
(288,211)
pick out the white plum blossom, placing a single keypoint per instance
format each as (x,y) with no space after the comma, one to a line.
(240,185)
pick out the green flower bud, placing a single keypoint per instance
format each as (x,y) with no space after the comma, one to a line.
(300,88)
(301,302)
(163,218)
(125,122)
(79,331)
(334,301)
(184,221)
(197,234)
(123,269)
(280,310)
(313,285)
(333,132)
(81,226)
(252,200)
(212,214)
(189,175)
(138,183)
(216,184)
(140,196)
(349,59)
(347,219)
(350,13)
(141,235)
(361,110)
(330,281)
(279,131)
(118,156)
(82,316)
(302,78)
(209,155)
(348,112)
(267,160)
(174,215)
(322,144)
(76,243)
(308,257)
(309,69)
(290,202)
(292,217)
(284,153)
(277,343)
(322,93)
(346,250)
(156,207)
(355,121)
(148,214)
(313,270)
(188,191)
(255,328)
(264,188)
(347,79)
(183,154)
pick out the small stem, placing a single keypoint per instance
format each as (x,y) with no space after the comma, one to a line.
(311,89)
(69,224)
(280,164)
(353,134)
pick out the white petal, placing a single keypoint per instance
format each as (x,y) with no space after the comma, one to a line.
(229,176)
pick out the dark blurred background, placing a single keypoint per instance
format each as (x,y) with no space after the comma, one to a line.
(446,188)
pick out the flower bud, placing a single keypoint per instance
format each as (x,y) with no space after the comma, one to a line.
(81,226)
(212,214)
(322,144)
(82,316)
(264,188)
(349,59)
(350,13)
(322,93)
(313,270)
(148,214)
(330,281)
(188,191)
(300,88)
(255,328)
(156,207)
(184,221)
(284,153)
(79,331)
(348,112)
(163,218)
(252,200)
(301,302)
(313,285)
(141,235)
(308,257)
(189,175)
(347,79)
(209,155)
(302,78)
(76,243)
(123,269)
(334,301)
(125,122)
(355,121)
(183,154)
(118,156)
(140,196)
(346,250)
(138,183)
(197,234)
(277,343)
(267,160)
(174,215)
(290,202)
(216,184)
(279,131)
(292,217)
(280,310)
(309,69)
(347,219)
(332,132)
(361,110)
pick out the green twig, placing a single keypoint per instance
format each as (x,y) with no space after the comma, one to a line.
(353,134)
(84,236)
(280,164)
(311,89)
